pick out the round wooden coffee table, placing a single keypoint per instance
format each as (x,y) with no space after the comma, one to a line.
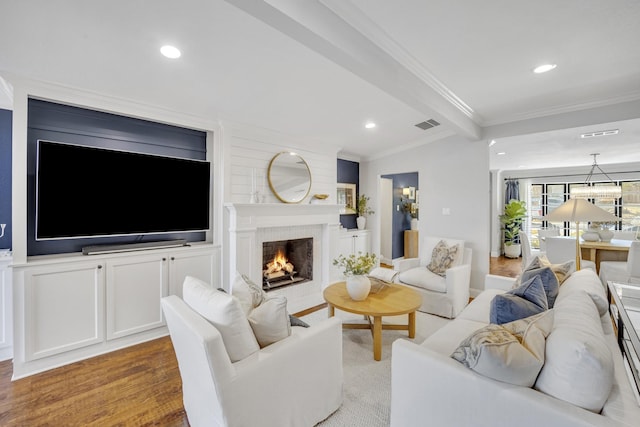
(392,300)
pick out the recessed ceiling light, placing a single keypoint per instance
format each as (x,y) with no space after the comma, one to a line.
(170,51)
(502,153)
(370,125)
(600,133)
(544,68)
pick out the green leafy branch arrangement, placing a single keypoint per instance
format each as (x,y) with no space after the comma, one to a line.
(353,265)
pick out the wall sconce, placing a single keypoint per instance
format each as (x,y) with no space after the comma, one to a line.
(409,192)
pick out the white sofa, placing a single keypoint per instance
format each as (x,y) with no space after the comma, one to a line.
(443,296)
(431,388)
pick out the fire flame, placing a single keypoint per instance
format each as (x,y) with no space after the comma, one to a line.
(279,263)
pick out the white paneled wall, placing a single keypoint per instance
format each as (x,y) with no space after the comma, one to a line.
(248,149)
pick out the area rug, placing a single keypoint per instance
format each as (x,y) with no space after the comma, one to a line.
(367,383)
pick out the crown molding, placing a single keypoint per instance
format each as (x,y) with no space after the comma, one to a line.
(562,109)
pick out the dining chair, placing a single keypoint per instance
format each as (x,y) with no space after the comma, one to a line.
(560,249)
(623,271)
(528,253)
(544,233)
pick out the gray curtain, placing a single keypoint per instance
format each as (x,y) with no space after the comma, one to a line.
(512,190)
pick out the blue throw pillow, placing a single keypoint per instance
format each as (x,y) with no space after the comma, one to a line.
(549,281)
(526,300)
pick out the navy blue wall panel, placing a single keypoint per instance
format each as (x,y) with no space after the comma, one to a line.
(63,123)
(349,173)
(401,220)
(5,177)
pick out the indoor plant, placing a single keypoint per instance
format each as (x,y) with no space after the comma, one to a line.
(355,268)
(514,213)
(363,210)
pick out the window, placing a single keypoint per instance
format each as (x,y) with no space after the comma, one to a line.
(544,198)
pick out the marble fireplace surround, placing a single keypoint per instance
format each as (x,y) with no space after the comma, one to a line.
(252,224)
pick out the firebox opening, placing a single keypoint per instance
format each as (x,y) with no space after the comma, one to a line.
(287,262)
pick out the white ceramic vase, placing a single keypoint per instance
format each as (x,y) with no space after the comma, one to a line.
(362,222)
(605,235)
(590,236)
(358,287)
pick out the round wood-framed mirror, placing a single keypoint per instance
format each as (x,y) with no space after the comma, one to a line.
(289,177)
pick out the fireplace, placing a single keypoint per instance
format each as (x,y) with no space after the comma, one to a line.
(250,225)
(286,262)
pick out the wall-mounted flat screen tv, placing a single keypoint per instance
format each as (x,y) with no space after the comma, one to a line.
(85,191)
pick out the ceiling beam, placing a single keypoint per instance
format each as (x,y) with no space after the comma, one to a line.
(322,30)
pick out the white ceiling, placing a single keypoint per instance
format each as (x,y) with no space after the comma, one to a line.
(322,68)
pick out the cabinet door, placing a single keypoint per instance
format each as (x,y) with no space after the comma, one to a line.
(361,242)
(345,244)
(199,265)
(135,286)
(63,308)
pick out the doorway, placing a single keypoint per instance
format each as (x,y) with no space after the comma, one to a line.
(393,202)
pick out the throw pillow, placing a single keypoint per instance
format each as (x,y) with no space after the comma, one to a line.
(524,301)
(511,353)
(296,321)
(562,271)
(249,294)
(549,282)
(225,313)
(442,258)
(270,321)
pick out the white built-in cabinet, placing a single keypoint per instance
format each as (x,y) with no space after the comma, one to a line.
(6,304)
(354,241)
(71,308)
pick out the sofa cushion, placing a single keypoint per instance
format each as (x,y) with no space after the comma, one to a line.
(270,321)
(511,353)
(586,280)
(442,257)
(423,278)
(225,313)
(479,308)
(549,282)
(526,300)
(579,364)
(446,339)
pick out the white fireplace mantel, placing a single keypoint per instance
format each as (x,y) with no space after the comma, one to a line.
(248,224)
(261,215)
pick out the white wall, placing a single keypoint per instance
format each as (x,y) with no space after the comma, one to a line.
(246,148)
(453,174)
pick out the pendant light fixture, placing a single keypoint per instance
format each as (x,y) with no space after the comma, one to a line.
(591,190)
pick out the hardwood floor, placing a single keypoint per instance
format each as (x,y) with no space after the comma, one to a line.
(138,385)
(502,266)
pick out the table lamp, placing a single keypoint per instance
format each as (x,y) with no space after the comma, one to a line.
(579,210)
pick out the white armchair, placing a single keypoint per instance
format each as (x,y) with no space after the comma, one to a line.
(443,296)
(294,382)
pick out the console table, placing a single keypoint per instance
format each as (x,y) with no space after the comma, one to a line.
(411,244)
(625,311)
